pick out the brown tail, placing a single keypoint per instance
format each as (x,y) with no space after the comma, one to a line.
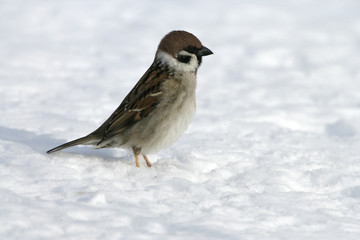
(83,140)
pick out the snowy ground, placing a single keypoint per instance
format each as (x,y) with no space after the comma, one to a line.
(273,152)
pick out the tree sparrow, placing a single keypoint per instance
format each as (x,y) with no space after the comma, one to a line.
(160,106)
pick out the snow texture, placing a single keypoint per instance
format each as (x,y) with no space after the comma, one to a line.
(272,153)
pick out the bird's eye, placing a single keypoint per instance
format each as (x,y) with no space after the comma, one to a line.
(184,58)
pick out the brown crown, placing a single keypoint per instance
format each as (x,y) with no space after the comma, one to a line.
(175,41)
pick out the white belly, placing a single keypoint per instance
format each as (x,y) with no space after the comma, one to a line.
(169,127)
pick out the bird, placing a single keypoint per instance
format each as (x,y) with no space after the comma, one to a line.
(161,105)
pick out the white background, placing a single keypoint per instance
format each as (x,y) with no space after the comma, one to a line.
(272,153)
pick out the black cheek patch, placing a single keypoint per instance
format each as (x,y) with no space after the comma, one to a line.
(184,58)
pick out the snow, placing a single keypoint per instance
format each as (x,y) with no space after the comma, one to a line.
(272,153)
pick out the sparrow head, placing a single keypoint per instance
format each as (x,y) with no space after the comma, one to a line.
(181,50)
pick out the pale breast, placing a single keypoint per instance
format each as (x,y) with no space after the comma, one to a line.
(172,116)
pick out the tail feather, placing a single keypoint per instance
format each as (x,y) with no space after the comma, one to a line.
(83,140)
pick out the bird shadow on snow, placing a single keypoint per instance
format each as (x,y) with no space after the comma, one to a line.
(42,143)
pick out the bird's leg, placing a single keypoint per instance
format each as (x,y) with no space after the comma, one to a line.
(136,152)
(137,160)
(148,163)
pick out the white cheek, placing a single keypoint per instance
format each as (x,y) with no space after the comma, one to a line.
(170,61)
(192,66)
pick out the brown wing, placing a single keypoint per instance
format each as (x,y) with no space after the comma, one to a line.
(141,100)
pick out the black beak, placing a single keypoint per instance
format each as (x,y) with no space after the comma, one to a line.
(204,51)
